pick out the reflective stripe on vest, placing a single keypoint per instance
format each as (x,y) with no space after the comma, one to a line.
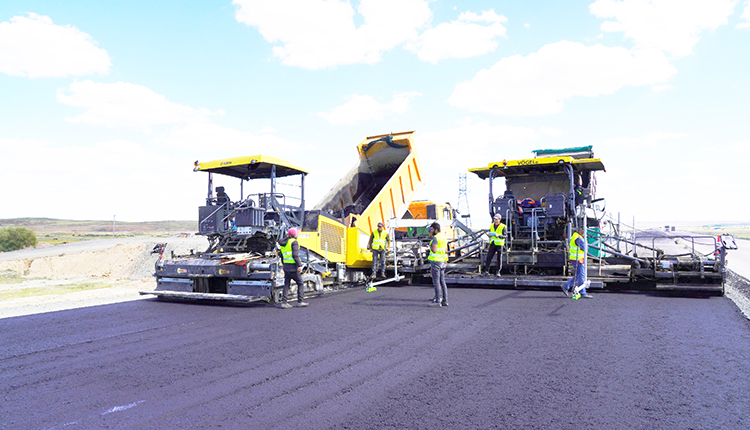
(574,252)
(442,248)
(378,239)
(499,239)
(286,252)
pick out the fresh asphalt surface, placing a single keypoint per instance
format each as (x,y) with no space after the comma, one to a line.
(384,360)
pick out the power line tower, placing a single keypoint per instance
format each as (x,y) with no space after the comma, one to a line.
(463,200)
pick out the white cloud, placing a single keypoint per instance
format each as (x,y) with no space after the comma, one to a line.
(488,16)
(660,176)
(109,178)
(200,138)
(317,34)
(648,140)
(462,38)
(123,104)
(539,83)
(745,16)
(465,145)
(131,180)
(360,108)
(34,47)
(741,146)
(550,131)
(659,88)
(672,26)
(267,129)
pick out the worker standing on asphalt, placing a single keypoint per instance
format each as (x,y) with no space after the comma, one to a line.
(378,244)
(497,243)
(577,257)
(438,261)
(292,268)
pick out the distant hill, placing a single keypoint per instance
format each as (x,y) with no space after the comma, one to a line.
(51,224)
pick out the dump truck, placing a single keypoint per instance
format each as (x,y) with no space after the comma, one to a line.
(241,262)
(428,210)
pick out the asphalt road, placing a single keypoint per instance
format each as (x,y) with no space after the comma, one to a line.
(385,360)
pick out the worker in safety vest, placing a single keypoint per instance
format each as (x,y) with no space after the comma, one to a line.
(292,268)
(378,244)
(577,257)
(497,243)
(438,259)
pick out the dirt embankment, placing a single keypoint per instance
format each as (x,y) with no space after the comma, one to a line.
(83,274)
(114,263)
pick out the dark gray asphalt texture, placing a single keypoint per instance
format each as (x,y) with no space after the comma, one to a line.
(384,360)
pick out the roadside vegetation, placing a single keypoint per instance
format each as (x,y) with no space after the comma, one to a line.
(10,277)
(13,238)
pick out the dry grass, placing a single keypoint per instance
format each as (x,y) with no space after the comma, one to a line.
(18,292)
(739,231)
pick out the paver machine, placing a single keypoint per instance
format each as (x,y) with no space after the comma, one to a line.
(241,261)
(544,199)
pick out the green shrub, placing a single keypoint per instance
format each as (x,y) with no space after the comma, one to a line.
(12,238)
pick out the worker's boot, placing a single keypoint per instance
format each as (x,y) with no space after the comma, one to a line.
(285,305)
(564,290)
(301,304)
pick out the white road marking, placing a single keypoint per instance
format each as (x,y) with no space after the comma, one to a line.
(123,408)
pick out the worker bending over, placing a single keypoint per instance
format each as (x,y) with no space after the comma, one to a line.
(497,243)
(577,257)
(378,244)
(292,268)
(438,259)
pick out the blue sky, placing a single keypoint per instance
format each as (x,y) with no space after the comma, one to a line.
(105,105)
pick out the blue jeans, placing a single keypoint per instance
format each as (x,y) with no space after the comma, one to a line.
(577,278)
(437,270)
(378,261)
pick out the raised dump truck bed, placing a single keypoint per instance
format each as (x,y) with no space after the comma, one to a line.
(378,188)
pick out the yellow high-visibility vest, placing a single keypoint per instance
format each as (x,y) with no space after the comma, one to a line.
(574,252)
(499,239)
(379,239)
(286,252)
(442,249)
